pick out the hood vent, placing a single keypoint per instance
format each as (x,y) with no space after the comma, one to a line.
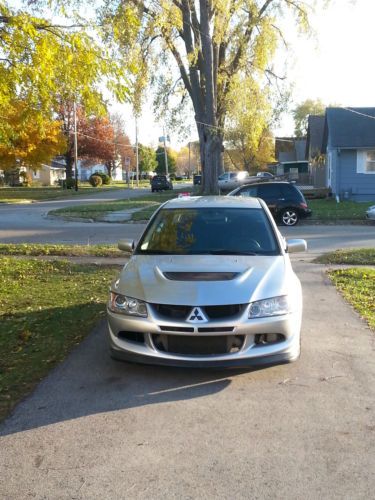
(199,276)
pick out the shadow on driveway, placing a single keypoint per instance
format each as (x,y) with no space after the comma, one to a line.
(90,382)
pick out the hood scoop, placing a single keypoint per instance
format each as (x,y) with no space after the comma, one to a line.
(201,276)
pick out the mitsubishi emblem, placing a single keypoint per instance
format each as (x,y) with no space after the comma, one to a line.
(197,316)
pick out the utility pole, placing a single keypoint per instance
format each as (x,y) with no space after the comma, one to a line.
(75,148)
(189,161)
(136,151)
(165,153)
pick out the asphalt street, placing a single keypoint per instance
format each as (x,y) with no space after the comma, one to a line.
(29,224)
(96,428)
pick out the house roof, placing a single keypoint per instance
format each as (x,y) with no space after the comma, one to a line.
(290,149)
(349,127)
(315,132)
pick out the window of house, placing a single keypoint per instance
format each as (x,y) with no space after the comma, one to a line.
(366,162)
(370,162)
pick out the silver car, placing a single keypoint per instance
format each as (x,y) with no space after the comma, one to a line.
(370,213)
(209,284)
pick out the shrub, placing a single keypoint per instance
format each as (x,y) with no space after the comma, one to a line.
(2,181)
(70,183)
(26,179)
(95,180)
(105,178)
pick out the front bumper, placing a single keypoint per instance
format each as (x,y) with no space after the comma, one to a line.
(249,354)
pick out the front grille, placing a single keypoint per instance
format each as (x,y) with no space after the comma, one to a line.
(212,312)
(198,346)
(215,312)
(216,329)
(172,311)
(185,329)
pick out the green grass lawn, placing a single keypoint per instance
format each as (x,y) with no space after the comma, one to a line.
(357,256)
(358,287)
(39,249)
(96,211)
(30,194)
(329,210)
(46,308)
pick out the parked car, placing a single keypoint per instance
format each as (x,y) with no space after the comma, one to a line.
(370,214)
(285,200)
(197,180)
(265,175)
(231,180)
(209,284)
(161,183)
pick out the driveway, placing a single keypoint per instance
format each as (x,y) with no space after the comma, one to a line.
(96,428)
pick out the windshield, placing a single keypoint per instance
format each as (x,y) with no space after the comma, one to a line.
(215,231)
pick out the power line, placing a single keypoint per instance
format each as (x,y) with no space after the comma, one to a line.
(359,113)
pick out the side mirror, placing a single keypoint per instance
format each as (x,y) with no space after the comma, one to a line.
(126,245)
(294,246)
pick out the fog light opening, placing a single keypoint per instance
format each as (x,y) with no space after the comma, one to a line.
(268,338)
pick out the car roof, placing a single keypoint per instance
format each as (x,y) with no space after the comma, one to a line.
(213,202)
(272,183)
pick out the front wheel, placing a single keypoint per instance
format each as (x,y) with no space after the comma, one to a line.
(289,217)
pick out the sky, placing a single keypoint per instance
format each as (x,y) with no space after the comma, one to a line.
(335,64)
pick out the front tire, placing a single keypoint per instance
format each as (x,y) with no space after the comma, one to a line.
(289,217)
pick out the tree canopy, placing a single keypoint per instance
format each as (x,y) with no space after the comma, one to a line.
(301,114)
(31,138)
(49,66)
(160,158)
(212,42)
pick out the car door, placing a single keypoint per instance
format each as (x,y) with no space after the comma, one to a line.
(272,195)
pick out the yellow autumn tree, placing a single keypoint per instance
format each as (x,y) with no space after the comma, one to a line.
(30,138)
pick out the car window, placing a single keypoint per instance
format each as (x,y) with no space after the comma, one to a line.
(233,175)
(292,192)
(248,191)
(269,191)
(222,177)
(216,231)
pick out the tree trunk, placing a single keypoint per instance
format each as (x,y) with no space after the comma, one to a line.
(211,145)
(69,159)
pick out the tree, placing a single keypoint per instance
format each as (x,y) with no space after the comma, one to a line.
(103,140)
(249,143)
(147,159)
(160,158)
(29,138)
(50,66)
(301,114)
(211,42)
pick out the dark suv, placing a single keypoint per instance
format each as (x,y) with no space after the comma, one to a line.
(160,183)
(285,200)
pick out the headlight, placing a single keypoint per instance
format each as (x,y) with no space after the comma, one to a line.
(275,306)
(127,305)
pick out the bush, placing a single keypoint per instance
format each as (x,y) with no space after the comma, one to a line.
(26,179)
(95,180)
(70,183)
(2,181)
(105,178)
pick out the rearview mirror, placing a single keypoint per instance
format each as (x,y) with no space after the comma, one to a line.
(126,245)
(294,246)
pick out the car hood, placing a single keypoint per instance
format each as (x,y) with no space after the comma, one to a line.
(147,277)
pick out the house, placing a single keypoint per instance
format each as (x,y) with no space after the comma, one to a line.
(313,152)
(47,175)
(349,145)
(290,155)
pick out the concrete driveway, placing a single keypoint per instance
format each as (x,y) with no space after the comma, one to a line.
(96,428)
